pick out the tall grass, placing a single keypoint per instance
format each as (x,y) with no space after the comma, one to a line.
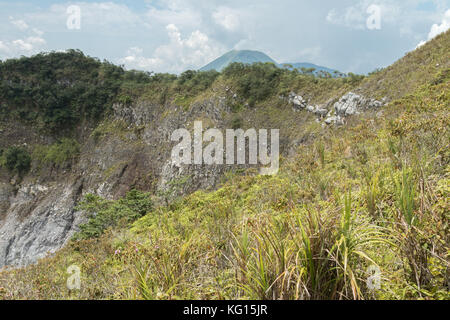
(405,193)
(310,256)
(320,149)
(372,190)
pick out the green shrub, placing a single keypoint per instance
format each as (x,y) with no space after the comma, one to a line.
(194,82)
(354,78)
(56,90)
(125,100)
(109,214)
(58,153)
(16,160)
(237,123)
(255,82)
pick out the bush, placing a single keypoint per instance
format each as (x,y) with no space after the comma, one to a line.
(16,160)
(56,90)
(58,153)
(354,78)
(109,214)
(194,82)
(237,123)
(255,82)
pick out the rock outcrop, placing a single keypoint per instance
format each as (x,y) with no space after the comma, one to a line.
(348,105)
(39,221)
(297,101)
(352,103)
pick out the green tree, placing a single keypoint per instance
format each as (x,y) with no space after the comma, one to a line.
(16,160)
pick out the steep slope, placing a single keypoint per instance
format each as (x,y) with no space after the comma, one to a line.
(414,69)
(369,192)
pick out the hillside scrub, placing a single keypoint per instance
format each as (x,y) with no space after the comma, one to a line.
(57,154)
(372,196)
(16,160)
(57,90)
(359,211)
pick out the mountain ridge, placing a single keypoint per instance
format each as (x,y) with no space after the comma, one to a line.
(254,56)
(243,56)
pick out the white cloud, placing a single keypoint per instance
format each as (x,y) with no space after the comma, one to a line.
(36,41)
(135,59)
(137,34)
(38,32)
(22,46)
(28,44)
(20,24)
(351,17)
(178,55)
(356,16)
(181,14)
(4,48)
(437,29)
(227,18)
(21,38)
(98,14)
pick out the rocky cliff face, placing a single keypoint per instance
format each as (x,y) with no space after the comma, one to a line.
(131,149)
(40,219)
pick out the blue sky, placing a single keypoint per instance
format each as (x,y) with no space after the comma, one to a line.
(175,35)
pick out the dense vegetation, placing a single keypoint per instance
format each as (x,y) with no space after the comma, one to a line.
(58,154)
(16,160)
(107,214)
(259,81)
(57,90)
(370,196)
(255,82)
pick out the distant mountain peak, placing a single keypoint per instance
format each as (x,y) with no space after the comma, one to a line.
(253,56)
(242,56)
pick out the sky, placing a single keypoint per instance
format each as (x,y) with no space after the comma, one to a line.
(175,35)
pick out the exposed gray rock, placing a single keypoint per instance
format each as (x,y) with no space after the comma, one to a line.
(299,104)
(139,113)
(352,103)
(298,101)
(320,111)
(337,120)
(6,192)
(41,220)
